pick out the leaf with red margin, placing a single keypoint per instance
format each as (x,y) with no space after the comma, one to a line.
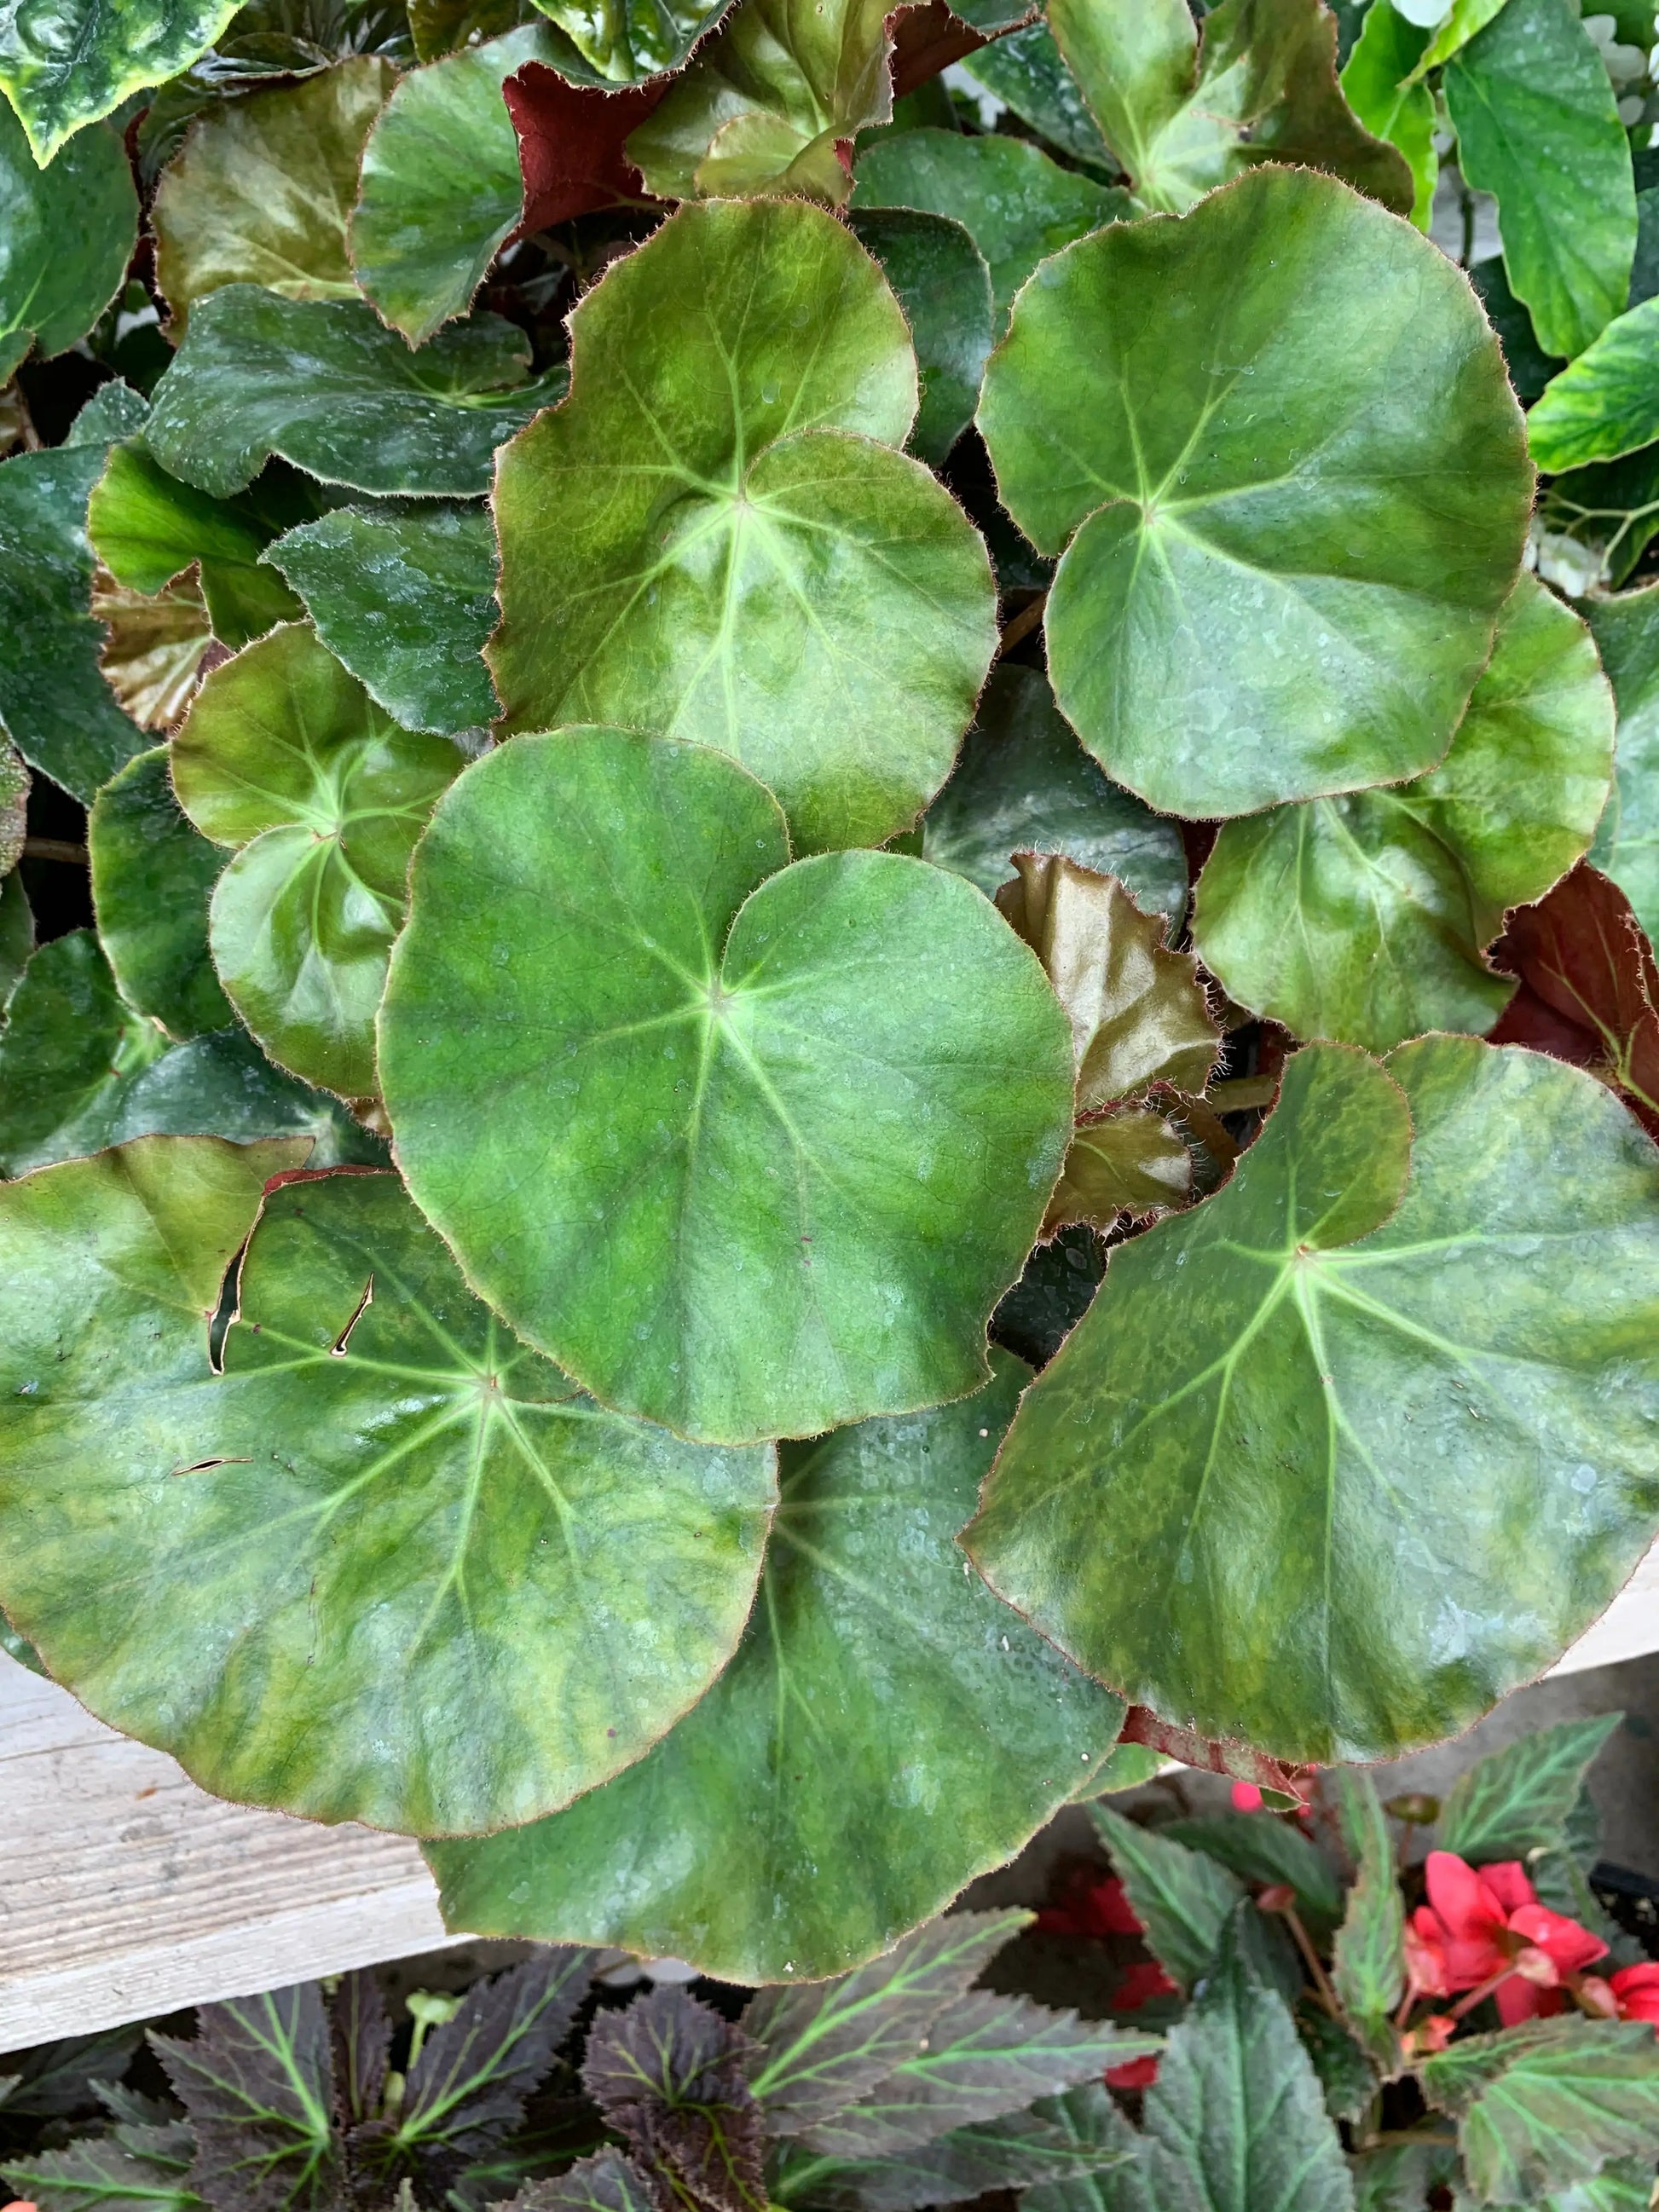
(1237,1760)
(570,143)
(1590,987)
(925,39)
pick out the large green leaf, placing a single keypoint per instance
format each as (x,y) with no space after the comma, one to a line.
(1182,115)
(1548,2108)
(328,387)
(1538,125)
(1518,1799)
(54,703)
(63,64)
(707,1138)
(1026,72)
(1379,85)
(1231,1495)
(66,234)
(442,188)
(707,542)
(1024,784)
(1364,918)
(1284,426)
(1016,204)
(1626,633)
(405,597)
(550,1585)
(1602,405)
(622,41)
(940,278)
(285,758)
(262,190)
(152,878)
(765,1836)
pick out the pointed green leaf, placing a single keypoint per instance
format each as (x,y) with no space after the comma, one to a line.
(1023,784)
(940,278)
(1280,1476)
(672,1219)
(1400,2177)
(607,2182)
(442,188)
(1026,72)
(68,1053)
(63,64)
(198,1574)
(152,877)
(1368,1958)
(262,189)
(66,234)
(1602,405)
(668,2074)
(133,2169)
(1183,1898)
(255,2083)
(705,543)
(1090,2116)
(1183,115)
(866,1623)
(286,759)
(1538,125)
(1016,204)
(1297,528)
(404,596)
(1548,2108)
(1346,2075)
(1259,1847)
(328,387)
(1378,84)
(1519,1799)
(1626,634)
(1364,918)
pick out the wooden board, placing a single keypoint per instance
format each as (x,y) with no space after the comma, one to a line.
(125,1891)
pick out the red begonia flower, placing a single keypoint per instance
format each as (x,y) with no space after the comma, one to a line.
(1477,1926)
(1137,2073)
(1247,1798)
(1141,1982)
(1636,1990)
(1091,1908)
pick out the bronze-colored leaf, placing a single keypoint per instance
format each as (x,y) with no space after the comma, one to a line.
(158,642)
(1129,1161)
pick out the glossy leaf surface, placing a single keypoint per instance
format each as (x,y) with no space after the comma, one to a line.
(1379,83)
(285,758)
(1026,71)
(154,648)
(263,188)
(940,278)
(1364,918)
(1601,406)
(1341,1339)
(593,1574)
(1626,633)
(693,1058)
(66,234)
(764,1835)
(1537,126)
(693,545)
(63,64)
(328,387)
(1285,581)
(1023,783)
(624,41)
(152,878)
(405,597)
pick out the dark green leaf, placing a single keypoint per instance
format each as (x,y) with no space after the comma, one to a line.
(870,1651)
(66,234)
(222,1086)
(1182,1896)
(1303,1357)
(607,2182)
(1547,2108)
(1538,125)
(328,387)
(1626,847)
(57,2081)
(670,1219)
(1014,203)
(1519,1799)
(1260,1848)
(669,2074)
(63,64)
(1090,2116)
(1346,2075)
(152,878)
(374,1429)
(1401,2177)
(255,2085)
(133,2169)
(1242,618)
(940,280)
(17,938)
(1025,72)
(1368,1958)
(1024,784)
(68,1054)
(1378,84)
(404,596)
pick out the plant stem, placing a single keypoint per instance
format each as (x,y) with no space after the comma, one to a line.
(55,848)
(1304,1944)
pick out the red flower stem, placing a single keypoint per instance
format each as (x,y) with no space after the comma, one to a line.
(1482,1990)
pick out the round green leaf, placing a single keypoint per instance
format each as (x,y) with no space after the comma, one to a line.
(1024,785)
(152,878)
(328,387)
(1284,429)
(66,235)
(389,1566)
(1364,918)
(1626,632)
(285,757)
(63,64)
(751,1149)
(939,279)
(405,597)
(795,1823)
(705,542)
(261,191)
(1329,1469)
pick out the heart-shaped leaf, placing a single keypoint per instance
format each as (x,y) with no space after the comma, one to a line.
(1284,429)
(940,278)
(152,878)
(405,597)
(328,387)
(1364,918)
(1024,784)
(190,1551)
(63,64)
(285,758)
(1257,1420)
(1626,847)
(752,1149)
(442,188)
(66,235)
(262,189)
(870,1653)
(706,541)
